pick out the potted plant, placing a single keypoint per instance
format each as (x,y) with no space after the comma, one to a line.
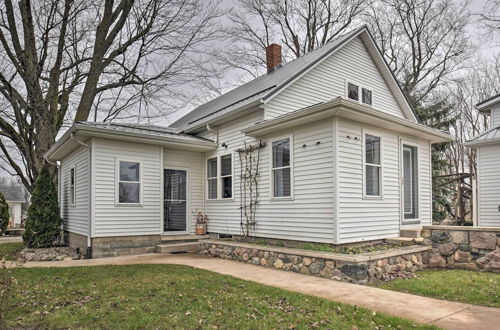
(201,223)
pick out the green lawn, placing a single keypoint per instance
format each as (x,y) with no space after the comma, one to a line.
(8,250)
(171,296)
(478,288)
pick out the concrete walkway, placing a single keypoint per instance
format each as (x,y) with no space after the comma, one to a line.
(445,314)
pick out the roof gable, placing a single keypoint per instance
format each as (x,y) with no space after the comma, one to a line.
(265,87)
(13,193)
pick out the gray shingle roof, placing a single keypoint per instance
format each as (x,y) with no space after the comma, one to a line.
(13,193)
(261,87)
(491,134)
(160,131)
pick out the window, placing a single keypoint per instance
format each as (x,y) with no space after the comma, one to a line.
(410,181)
(212,178)
(366,96)
(352,92)
(226,176)
(72,187)
(281,169)
(129,183)
(373,166)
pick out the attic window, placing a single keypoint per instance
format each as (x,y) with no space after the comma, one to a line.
(366,96)
(352,91)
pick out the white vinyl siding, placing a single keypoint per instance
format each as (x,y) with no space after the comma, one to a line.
(488,185)
(76,217)
(362,219)
(112,219)
(495,117)
(193,162)
(309,216)
(328,79)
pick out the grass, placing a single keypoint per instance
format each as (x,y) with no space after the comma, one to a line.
(9,250)
(173,296)
(478,288)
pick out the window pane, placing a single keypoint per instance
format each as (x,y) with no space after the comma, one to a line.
(372,180)
(282,182)
(225,163)
(281,153)
(227,187)
(129,192)
(72,176)
(367,96)
(410,172)
(372,149)
(212,168)
(352,91)
(129,171)
(175,184)
(212,188)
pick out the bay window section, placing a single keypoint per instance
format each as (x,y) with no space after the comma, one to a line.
(410,181)
(129,183)
(373,166)
(281,168)
(212,178)
(226,177)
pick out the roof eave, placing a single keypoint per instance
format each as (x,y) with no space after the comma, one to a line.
(340,108)
(474,144)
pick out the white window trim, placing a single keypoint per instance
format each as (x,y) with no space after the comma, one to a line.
(219,177)
(381,166)
(271,169)
(117,182)
(72,201)
(416,220)
(360,91)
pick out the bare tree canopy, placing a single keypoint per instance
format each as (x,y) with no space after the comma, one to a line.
(300,25)
(70,60)
(490,18)
(423,41)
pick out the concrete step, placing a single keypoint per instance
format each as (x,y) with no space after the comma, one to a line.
(397,240)
(177,247)
(412,233)
(14,231)
(170,239)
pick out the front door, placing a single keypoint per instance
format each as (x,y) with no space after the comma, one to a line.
(175,202)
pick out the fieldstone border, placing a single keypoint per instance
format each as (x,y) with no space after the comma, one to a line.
(472,248)
(49,254)
(359,268)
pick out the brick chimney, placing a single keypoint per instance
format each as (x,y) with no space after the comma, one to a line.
(273,56)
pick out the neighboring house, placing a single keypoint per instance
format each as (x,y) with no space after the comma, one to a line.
(341,158)
(15,197)
(487,147)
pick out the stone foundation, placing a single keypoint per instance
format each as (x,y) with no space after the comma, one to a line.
(359,268)
(76,241)
(471,248)
(123,245)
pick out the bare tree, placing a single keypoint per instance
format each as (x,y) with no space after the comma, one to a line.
(490,18)
(300,25)
(423,41)
(70,60)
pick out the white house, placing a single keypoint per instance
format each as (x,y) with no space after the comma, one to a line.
(325,148)
(487,147)
(14,196)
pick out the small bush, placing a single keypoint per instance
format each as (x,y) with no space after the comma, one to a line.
(43,226)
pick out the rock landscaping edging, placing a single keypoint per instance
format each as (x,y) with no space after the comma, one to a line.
(472,248)
(359,268)
(49,254)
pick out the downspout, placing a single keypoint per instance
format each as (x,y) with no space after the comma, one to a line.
(88,252)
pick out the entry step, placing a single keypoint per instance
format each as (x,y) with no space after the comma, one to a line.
(396,240)
(412,233)
(177,247)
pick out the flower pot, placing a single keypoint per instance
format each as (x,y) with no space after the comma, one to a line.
(201,229)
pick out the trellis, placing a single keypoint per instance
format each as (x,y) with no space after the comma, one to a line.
(249,189)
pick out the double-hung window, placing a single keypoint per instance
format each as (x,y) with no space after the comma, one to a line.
(222,173)
(72,186)
(129,182)
(212,178)
(373,166)
(410,181)
(281,168)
